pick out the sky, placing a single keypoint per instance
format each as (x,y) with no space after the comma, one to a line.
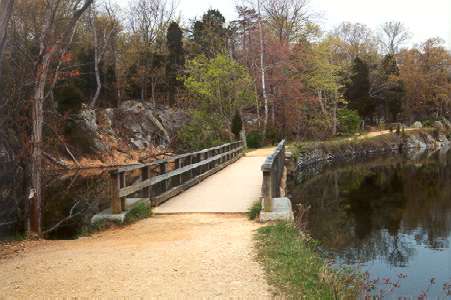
(423,18)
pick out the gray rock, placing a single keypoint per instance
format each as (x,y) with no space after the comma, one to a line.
(84,131)
(446,123)
(417,124)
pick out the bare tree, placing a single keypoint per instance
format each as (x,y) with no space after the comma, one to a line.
(393,35)
(6,8)
(358,39)
(100,49)
(262,68)
(148,20)
(288,18)
(51,45)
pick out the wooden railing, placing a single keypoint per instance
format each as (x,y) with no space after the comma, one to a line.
(163,179)
(273,169)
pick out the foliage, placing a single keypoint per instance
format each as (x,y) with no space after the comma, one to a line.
(220,87)
(294,266)
(237,125)
(138,212)
(254,139)
(210,35)
(357,90)
(348,121)
(254,210)
(175,60)
(200,133)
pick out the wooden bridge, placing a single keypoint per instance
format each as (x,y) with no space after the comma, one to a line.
(239,182)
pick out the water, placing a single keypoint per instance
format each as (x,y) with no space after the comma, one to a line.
(389,216)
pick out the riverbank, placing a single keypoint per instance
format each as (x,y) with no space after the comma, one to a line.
(348,149)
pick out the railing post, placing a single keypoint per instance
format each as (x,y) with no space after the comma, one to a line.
(145,174)
(267,190)
(117,182)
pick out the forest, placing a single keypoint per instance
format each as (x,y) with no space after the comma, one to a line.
(274,72)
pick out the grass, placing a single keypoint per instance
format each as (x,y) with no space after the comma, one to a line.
(297,270)
(139,212)
(254,210)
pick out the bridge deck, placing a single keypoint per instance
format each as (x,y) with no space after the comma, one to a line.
(232,190)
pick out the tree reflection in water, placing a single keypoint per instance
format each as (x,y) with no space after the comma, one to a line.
(382,210)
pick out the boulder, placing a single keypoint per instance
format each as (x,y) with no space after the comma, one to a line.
(82,130)
(417,124)
(414,142)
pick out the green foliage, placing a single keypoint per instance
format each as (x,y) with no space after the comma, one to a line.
(69,98)
(220,87)
(254,210)
(209,34)
(203,131)
(357,90)
(294,266)
(140,211)
(348,121)
(237,125)
(254,139)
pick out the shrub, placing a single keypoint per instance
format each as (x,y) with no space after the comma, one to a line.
(237,124)
(348,121)
(254,139)
(203,131)
(254,210)
(140,211)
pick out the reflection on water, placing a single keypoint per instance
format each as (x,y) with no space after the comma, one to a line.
(71,199)
(389,216)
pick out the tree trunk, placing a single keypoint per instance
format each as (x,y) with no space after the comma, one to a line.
(96,57)
(334,115)
(46,54)
(262,70)
(6,8)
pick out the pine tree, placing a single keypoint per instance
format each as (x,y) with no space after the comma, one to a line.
(175,61)
(237,124)
(357,90)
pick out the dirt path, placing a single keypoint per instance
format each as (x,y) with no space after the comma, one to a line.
(178,256)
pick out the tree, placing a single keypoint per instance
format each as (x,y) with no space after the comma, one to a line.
(175,61)
(109,27)
(388,87)
(393,35)
(210,35)
(220,87)
(357,90)
(6,8)
(53,42)
(290,19)
(237,125)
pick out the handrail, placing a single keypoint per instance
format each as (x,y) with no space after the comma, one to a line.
(273,169)
(165,178)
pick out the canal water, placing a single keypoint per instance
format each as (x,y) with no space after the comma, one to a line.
(390,217)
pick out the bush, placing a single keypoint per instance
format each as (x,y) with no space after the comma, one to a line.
(237,125)
(254,139)
(140,211)
(203,131)
(254,210)
(348,121)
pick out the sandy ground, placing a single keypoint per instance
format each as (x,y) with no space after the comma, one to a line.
(178,256)
(233,189)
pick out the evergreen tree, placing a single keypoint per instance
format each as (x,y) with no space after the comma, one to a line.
(210,35)
(357,90)
(175,61)
(237,124)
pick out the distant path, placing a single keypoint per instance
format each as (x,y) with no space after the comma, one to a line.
(187,256)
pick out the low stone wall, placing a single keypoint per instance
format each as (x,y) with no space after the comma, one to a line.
(335,151)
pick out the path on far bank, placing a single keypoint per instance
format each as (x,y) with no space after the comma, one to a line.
(186,256)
